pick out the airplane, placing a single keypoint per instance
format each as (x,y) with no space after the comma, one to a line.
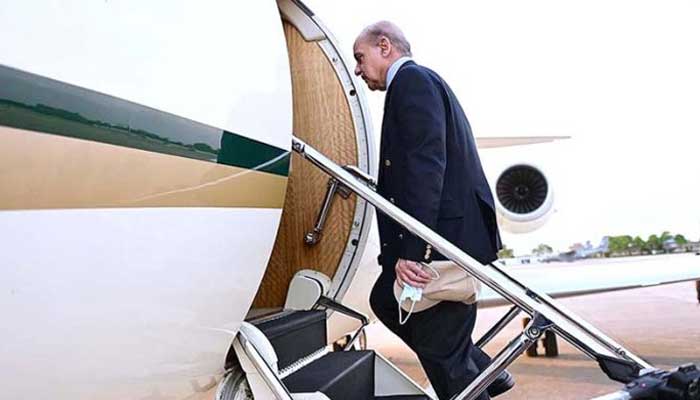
(670,245)
(154,218)
(580,252)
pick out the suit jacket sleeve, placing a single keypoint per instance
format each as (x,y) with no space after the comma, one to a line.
(421,123)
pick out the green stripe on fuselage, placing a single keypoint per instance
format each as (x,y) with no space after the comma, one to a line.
(36,103)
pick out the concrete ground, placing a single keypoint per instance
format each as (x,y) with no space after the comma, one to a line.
(660,324)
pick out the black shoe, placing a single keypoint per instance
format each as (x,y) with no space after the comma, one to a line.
(503,383)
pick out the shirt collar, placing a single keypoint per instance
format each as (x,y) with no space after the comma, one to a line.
(394,68)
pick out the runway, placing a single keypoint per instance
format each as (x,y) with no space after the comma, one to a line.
(660,324)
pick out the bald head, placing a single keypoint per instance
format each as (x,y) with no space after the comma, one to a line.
(376,48)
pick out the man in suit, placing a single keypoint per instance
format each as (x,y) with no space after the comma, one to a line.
(430,168)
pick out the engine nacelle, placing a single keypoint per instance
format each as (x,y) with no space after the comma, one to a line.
(524,198)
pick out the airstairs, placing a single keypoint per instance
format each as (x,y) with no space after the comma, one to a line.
(285,356)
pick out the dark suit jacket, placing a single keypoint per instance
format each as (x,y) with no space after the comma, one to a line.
(430,168)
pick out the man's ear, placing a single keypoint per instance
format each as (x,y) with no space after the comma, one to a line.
(385,46)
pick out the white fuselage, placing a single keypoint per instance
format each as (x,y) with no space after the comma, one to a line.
(130,302)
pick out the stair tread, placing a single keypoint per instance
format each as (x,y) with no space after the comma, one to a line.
(295,334)
(289,322)
(339,375)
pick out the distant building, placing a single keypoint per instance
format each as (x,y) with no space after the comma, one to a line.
(521,260)
(692,246)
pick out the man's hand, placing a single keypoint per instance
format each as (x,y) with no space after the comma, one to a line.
(410,272)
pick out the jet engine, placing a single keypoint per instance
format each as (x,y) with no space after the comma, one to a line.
(524,198)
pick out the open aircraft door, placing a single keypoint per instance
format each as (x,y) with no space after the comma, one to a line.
(323,227)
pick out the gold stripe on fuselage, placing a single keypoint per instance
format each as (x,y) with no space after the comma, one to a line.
(44,171)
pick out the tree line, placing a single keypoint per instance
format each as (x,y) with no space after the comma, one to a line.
(625,245)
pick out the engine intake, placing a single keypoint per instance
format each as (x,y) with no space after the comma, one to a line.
(524,198)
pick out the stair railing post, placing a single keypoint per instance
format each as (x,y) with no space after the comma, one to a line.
(513,350)
(498,327)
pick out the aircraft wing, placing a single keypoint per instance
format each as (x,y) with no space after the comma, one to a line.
(509,141)
(562,279)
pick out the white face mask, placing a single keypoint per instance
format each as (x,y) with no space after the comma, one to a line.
(413,294)
(409,293)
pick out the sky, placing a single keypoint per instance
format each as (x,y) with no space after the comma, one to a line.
(622,78)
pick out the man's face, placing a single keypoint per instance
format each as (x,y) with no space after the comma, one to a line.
(371,64)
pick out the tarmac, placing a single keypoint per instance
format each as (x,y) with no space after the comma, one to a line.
(660,324)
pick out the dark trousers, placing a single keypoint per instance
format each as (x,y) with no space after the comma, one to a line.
(440,336)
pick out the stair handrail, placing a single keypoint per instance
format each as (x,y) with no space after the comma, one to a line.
(569,326)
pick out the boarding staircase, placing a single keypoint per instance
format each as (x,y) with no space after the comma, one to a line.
(288,354)
(306,365)
(285,354)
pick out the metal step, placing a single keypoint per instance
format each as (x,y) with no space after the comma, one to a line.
(339,375)
(294,334)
